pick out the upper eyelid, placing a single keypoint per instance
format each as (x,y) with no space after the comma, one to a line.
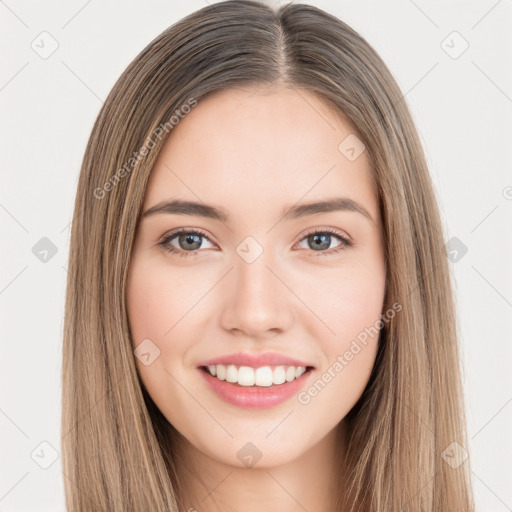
(179,231)
(331,231)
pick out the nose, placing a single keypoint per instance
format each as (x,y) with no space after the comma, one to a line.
(256,301)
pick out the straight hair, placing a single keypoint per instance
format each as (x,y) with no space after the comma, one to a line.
(118,451)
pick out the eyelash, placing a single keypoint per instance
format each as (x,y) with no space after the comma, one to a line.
(165,243)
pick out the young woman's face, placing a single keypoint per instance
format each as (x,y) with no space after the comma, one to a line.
(266,276)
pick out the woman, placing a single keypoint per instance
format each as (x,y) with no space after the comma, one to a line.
(221,355)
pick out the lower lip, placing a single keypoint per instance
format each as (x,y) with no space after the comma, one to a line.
(255,397)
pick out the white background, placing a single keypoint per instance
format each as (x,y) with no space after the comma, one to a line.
(462,107)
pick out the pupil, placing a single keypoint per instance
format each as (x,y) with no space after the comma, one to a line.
(319,243)
(189,239)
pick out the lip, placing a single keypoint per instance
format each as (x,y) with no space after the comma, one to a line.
(256,397)
(255,360)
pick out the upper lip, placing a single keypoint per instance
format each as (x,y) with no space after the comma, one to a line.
(255,360)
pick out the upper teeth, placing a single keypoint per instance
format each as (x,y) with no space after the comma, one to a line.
(263,376)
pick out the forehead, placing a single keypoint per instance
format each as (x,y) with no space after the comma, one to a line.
(260,147)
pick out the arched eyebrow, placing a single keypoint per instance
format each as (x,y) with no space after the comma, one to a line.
(181,207)
(330,205)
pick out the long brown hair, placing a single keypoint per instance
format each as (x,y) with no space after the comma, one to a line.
(117,448)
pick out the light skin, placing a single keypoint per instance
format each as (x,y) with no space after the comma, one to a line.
(255,153)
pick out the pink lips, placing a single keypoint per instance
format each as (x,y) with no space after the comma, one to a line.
(256,360)
(255,397)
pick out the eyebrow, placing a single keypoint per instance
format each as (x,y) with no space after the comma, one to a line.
(181,207)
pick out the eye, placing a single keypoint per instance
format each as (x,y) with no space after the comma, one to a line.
(321,239)
(189,241)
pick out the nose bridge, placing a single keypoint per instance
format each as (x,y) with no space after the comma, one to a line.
(252,274)
(253,280)
(255,302)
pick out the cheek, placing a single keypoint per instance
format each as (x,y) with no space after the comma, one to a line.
(352,307)
(155,308)
(147,307)
(348,301)
(350,304)
(156,301)
(163,306)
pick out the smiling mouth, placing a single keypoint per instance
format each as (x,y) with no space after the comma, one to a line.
(264,376)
